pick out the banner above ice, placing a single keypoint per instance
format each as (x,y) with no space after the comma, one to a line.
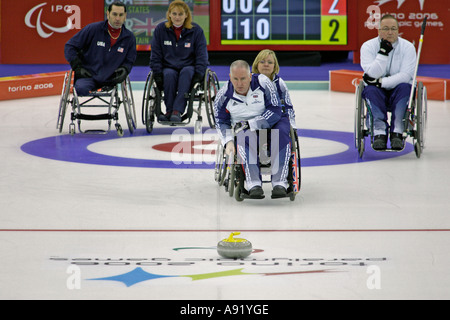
(410,15)
(35,31)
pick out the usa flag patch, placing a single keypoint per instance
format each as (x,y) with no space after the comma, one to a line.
(120,49)
(187,45)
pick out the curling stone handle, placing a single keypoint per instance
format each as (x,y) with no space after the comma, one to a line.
(230,238)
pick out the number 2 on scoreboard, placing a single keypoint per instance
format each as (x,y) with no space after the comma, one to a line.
(336,28)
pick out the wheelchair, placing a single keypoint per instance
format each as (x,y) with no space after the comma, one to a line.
(108,97)
(415,121)
(203,93)
(230,174)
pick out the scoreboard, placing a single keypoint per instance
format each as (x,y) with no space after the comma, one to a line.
(283,22)
(250,25)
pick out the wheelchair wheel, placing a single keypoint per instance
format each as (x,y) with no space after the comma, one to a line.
(420,119)
(128,103)
(150,102)
(231,181)
(64,100)
(295,175)
(360,117)
(211,86)
(220,169)
(145,97)
(190,107)
(113,113)
(239,184)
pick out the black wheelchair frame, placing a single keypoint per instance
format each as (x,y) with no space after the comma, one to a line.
(230,174)
(203,93)
(415,121)
(109,97)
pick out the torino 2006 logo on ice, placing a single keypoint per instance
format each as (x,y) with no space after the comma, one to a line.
(131,271)
(34,19)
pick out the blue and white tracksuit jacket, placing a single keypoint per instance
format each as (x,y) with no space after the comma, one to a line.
(283,92)
(262,108)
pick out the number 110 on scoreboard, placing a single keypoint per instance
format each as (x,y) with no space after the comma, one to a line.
(284,22)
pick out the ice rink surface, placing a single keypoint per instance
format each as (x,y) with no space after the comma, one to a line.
(103,217)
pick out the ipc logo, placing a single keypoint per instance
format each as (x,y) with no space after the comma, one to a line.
(73,21)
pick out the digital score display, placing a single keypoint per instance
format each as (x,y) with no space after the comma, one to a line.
(283,22)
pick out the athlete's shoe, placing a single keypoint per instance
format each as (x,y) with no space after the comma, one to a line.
(396,141)
(256,192)
(175,117)
(279,192)
(379,142)
(164,117)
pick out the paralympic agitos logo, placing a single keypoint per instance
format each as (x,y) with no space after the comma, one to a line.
(34,19)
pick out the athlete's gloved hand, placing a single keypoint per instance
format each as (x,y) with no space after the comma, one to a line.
(385,47)
(80,72)
(198,78)
(372,81)
(76,63)
(159,80)
(120,74)
(240,126)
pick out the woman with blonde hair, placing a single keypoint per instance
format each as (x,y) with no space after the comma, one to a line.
(179,58)
(266,63)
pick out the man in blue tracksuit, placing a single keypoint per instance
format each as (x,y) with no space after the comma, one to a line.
(102,53)
(179,58)
(251,103)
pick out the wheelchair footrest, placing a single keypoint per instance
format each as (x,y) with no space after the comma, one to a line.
(105,92)
(245,195)
(89,117)
(96,131)
(171,123)
(389,150)
(288,195)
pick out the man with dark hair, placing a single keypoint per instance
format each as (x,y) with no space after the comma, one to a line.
(102,53)
(388,62)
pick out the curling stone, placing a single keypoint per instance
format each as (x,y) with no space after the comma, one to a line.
(234,248)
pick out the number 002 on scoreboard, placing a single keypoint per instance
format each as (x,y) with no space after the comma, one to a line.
(284,22)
